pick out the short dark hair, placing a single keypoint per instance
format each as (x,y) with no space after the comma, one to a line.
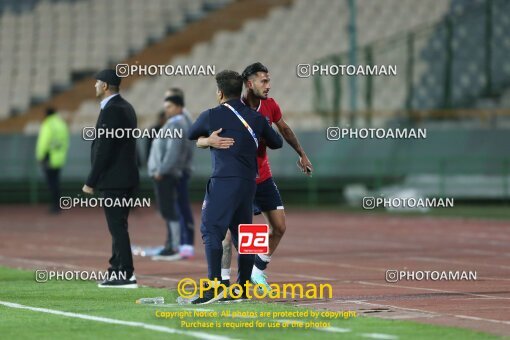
(50,110)
(230,83)
(177,100)
(177,91)
(253,69)
(113,88)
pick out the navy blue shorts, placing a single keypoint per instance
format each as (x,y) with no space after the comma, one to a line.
(227,203)
(267,197)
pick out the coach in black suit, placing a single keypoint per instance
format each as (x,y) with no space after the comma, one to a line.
(114,173)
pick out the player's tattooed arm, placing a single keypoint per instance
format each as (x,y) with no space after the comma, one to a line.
(227,253)
(292,140)
(215,141)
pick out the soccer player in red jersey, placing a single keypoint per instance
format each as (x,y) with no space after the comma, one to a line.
(267,198)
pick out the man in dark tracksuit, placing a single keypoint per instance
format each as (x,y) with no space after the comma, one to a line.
(114,174)
(231,188)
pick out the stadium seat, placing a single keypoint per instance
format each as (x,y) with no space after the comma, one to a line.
(286,45)
(62,38)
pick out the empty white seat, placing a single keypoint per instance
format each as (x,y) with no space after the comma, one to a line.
(66,37)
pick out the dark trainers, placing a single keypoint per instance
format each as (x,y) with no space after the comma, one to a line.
(226,283)
(235,296)
(232,299)
(119,283)
(208,297)
(167,254)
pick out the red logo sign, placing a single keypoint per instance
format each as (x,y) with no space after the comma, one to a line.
(253,239)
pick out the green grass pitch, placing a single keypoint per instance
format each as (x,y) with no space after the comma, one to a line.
(127,320)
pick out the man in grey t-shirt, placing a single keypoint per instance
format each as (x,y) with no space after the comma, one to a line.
(183,204)
(169,159)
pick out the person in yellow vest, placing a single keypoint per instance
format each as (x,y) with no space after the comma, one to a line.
(51,153)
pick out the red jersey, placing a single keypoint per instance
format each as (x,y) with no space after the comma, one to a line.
(270,109)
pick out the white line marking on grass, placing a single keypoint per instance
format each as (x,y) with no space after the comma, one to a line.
(379,336)
(194,334)
(332,329)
